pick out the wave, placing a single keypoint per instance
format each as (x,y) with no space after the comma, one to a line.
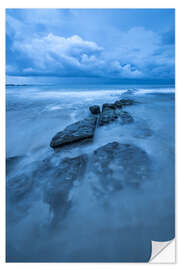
(155,91)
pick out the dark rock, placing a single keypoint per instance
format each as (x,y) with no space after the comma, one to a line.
(108,106)
(118,104)
(125,102)
(94,109)
(76,132)
(108,114)
(126,118)
(118,165)
(19,186)
(56,192)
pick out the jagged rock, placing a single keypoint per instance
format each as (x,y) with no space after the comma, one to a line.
(118,165)
(126,118)
(56,192)
(76,132)
(108,114)
(95,109)
(19,186)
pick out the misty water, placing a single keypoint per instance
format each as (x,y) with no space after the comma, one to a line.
(116,228)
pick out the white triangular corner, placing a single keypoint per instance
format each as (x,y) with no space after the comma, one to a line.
(163,252)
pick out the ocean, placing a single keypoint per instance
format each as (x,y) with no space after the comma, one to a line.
(118,228)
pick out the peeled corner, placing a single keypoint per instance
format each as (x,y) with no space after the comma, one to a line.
(163,252)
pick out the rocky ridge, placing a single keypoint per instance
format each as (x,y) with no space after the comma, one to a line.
(84,129)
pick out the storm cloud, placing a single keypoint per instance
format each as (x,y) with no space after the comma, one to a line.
(86,43)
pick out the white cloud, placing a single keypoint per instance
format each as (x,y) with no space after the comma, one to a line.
(55,51)
(138,49)
(136,46)
(78,45)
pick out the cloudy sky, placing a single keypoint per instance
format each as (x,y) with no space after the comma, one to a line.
(106,45)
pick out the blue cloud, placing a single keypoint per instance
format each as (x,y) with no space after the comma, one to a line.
(90,43)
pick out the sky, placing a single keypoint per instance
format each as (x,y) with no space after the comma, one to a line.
(99,45)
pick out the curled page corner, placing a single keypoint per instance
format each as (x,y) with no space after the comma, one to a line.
(158,254)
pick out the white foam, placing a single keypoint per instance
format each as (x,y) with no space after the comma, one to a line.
(75,94)
(54,108)
(155,90)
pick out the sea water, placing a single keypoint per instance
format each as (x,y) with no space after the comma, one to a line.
(121,229)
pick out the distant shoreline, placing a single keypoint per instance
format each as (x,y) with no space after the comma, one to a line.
(11,84)
(58,84)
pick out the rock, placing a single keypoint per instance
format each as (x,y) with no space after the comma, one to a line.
(124,102)
(126,118)
(94,109)
(108,106)
(19,186)
(108,114)
(118,104)
(76,132)
(56,192)
(119,165)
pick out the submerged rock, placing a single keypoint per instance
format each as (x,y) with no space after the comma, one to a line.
(95,109)
(142,129)
(19,186)
(12,162)
(78,131)
(56,192)
(118,165)
(126,118)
